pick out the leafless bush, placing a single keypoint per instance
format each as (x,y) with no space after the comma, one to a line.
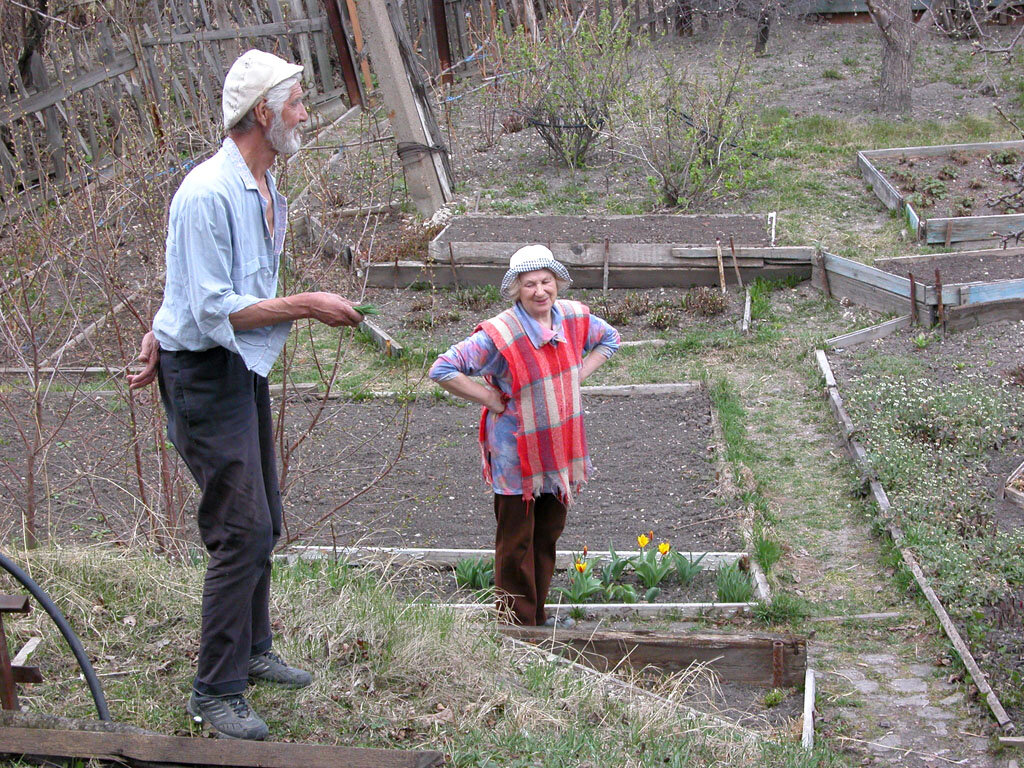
(690,133)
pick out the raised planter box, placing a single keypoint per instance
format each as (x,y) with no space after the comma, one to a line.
(602,252)
(1014,494)
(884,291)
(939,230)
(447,558)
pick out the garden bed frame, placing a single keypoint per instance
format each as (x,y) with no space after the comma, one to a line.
(859,456)
(1014,495)
(447,558)
(777,661)
(882,291)
(939,230)
(603,263)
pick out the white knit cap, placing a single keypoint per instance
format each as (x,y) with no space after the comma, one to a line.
(250,77)
(531,257)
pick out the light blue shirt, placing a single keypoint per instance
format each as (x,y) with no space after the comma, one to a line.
(477,356)
(222,258)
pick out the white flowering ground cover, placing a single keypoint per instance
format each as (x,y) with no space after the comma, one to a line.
(943,423)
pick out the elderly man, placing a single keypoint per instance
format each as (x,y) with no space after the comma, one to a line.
(214,340)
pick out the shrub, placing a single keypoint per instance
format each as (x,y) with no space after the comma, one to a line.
(688,130)
(704,301)
(565,83)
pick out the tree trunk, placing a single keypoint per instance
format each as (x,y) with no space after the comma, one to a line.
(895,93)
(895,22)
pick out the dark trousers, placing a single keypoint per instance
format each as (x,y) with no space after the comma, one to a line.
(524,553)
(218,417)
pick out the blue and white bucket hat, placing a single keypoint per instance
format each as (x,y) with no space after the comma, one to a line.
(527,259)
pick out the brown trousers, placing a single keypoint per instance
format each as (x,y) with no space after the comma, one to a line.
(524,553)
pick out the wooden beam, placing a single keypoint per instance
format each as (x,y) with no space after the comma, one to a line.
(938,150)
(807,737)
(880,331)
(14,604)
(384,342)
(971,228)
(735,658)
(422,163)
(448,558)
(155,748)
(972,315)
(405,273)
(272,29)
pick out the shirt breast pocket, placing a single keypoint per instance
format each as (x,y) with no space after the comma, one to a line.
(249,269)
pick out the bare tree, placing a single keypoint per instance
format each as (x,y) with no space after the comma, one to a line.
(900,34)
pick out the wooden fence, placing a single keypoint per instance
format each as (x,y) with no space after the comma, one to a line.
(161,69)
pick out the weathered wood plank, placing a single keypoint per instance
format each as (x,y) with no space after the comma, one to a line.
(914,222)
(221,752)
(627,610)
(972,315)
(384,342)
(10,111)
(735,658)
(938,150)
(406,273)
(448,558)
(880,331)
(899,261)
(14,604)
(837,265)
(982,292)
(886,192)
(619,254)
(971,228)
(826,369)
(807,737)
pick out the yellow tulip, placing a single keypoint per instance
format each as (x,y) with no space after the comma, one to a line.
(642,540)
(664,547)
(581,566)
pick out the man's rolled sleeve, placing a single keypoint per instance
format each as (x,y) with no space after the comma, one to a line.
(205,231)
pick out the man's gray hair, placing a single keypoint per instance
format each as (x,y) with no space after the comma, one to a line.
(276,97)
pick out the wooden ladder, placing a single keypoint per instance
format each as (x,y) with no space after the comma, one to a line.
(12,674)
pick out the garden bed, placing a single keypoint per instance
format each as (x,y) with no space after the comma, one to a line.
(939,420)
(886,287)
(608,252)
(952,193)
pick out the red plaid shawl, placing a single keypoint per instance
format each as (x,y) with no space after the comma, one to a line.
(552,443)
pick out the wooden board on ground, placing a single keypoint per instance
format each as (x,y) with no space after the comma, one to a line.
(735,658)
(973,315)
(872,333)
(155,748)
(441,275)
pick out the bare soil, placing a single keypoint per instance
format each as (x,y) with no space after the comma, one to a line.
(680,230)
(961,183)
(960,267)
(654,470)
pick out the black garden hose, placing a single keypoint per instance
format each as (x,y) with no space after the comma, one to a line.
(72,639)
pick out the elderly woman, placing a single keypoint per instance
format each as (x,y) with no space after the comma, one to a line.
(533,358)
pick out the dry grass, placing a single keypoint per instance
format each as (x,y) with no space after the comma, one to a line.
(387,673)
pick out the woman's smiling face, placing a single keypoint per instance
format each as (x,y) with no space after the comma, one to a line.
(537,292)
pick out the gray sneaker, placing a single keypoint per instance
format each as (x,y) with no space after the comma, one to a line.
(230,716)
(271,668)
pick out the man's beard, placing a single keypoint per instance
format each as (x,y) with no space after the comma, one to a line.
(282,140)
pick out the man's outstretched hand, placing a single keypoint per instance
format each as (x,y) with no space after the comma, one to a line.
(149,356)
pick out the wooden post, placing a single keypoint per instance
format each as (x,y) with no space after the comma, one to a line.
(913,299)
(604,270)
(444,51)
(721,265)
(348,70)
(824,275)
(419,150)
(735,264)
(8,693)
(938,299)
